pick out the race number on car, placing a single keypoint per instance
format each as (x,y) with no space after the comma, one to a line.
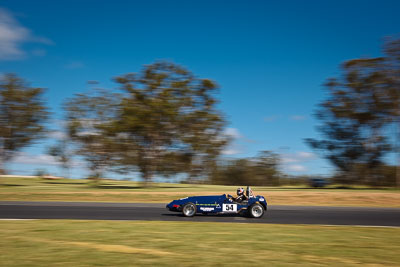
(229,207)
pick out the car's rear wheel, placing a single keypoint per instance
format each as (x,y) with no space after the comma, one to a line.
(189,210)
(256,211)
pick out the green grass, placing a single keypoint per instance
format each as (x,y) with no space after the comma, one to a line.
(138,243)
(35,189)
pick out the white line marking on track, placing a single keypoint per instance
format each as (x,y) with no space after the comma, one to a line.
(354,225)
(11,219)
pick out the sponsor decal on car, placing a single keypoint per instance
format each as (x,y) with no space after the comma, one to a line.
(206,209)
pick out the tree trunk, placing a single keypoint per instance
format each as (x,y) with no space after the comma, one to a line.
(146,179)
(2,167)
(398,170)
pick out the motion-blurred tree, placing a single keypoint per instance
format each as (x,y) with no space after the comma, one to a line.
(259,170)
(60,152)
(89,119)
(357,115)
(266,168)
(392,51)
(22,116)
(168,122)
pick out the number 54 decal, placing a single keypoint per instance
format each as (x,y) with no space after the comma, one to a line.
(229,207)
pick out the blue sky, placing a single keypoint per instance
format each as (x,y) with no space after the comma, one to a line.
(270,58)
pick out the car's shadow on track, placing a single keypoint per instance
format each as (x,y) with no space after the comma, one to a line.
(202,215)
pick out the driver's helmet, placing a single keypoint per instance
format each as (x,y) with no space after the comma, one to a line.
(240,191)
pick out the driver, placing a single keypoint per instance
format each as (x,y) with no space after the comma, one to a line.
(240,195)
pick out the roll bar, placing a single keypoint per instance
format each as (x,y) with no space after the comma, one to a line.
(249,192)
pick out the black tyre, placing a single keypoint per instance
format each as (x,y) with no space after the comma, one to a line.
(256,210)
(189,209)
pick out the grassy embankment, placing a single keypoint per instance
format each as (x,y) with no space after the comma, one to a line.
(138,243)
(35,189)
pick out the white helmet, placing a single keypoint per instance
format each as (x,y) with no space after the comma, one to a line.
(240,191)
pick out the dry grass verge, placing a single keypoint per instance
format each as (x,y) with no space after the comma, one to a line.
(19,189)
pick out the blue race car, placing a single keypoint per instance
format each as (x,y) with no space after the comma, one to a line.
(253,206)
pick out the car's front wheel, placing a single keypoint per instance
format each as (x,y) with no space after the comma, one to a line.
(189,210)
(256,211)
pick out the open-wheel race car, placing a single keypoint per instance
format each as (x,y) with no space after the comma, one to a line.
(245,204)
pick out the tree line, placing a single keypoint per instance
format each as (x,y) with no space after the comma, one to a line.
(164,121)
(360,119)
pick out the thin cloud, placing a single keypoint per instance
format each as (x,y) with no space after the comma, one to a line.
(296,168)
(298,118)
(40,159)
(294,162)
(270,118)
(234,148)
(300,156)
(231,151)
(233,132)
(306,155)
(58,135)
(26,158)
(13,35)
(288,159)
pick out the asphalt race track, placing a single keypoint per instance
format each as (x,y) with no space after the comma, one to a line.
(158,212)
